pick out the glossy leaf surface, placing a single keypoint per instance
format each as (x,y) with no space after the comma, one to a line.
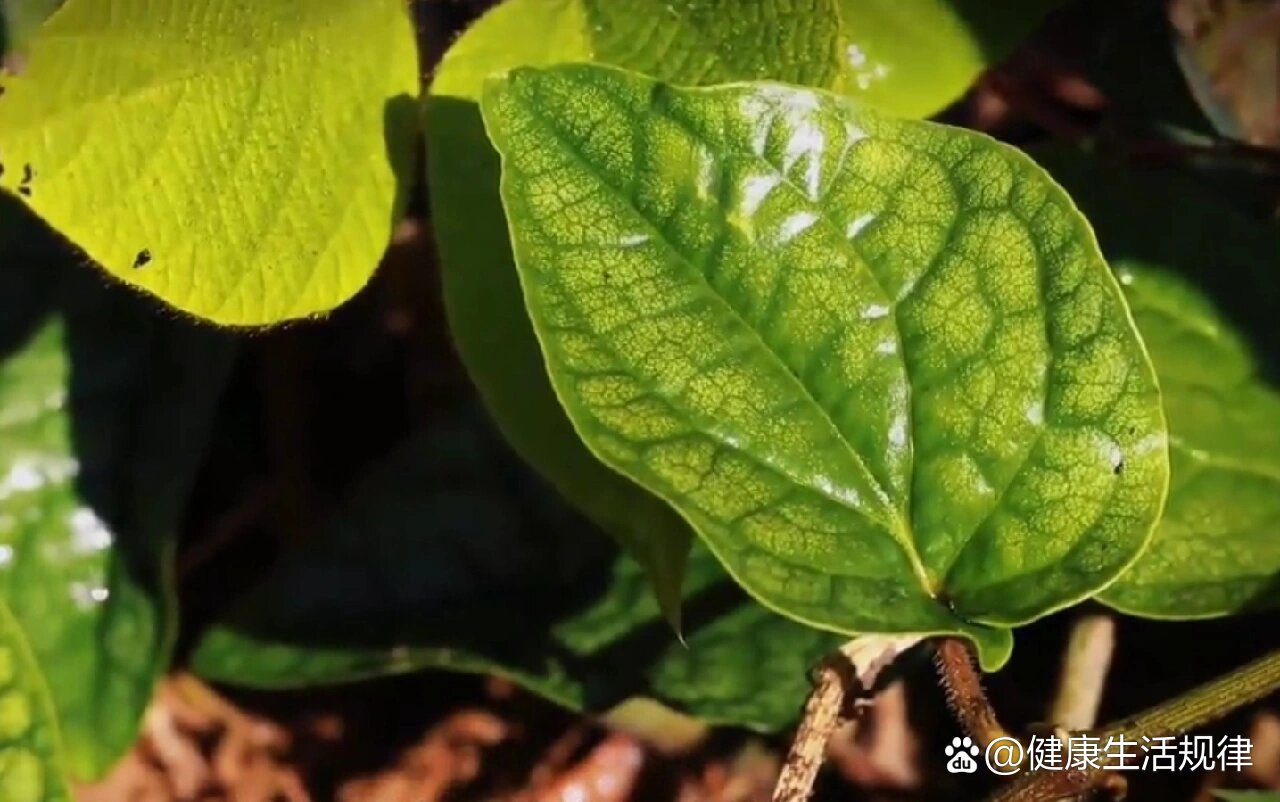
(482,297)
(31,767)
(104,411)
(910,59)
(242,160)
(1198,276)
(880,366)
(450,556)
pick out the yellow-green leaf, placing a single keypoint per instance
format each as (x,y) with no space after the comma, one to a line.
(243,160)
(907,58)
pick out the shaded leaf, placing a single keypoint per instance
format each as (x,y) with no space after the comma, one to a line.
(104,412)
(449,556)
(487,320)
(241,160)
(31,768)
(1196,275)
(879,365)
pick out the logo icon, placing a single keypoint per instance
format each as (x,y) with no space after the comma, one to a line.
(1005,755)
(962,753)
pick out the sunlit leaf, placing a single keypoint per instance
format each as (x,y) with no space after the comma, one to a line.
(244,160)
(879,365)
(935,51)
(31,767)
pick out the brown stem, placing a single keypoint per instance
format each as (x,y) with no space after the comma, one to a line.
(963,687)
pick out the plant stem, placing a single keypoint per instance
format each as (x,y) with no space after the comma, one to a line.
(1084,673)
(1197,707)
(1207,703)
(821,717)
(963,687)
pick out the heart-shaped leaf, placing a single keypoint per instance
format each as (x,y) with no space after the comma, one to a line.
(104,411)
(481,293)
(244,160)
(450,555)
(31,767)
(1198,276)
(879,365)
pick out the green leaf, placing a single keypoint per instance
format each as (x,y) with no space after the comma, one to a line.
(447,555)
(481,292)
(880,366)
(244,160)
(31,767)
(1197,276)
(104,412)
(909,61)
(1217,549)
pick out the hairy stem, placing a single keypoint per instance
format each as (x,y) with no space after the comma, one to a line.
(963,687)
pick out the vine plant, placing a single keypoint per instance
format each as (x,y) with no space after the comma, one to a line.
(835,378)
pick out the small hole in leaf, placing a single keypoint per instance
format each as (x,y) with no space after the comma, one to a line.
(141,260)
(24,190)
(1118,468)
(27,173)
